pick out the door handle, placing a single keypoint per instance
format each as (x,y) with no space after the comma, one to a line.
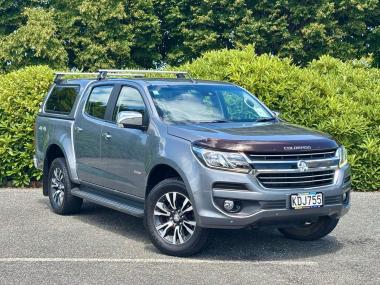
(107,136)
(78,129)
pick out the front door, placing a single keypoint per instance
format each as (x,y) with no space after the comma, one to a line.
(123,150)
(87,133)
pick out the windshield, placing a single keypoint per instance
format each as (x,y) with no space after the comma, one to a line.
(207,103)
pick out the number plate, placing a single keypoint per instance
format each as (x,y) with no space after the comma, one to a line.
(306,200)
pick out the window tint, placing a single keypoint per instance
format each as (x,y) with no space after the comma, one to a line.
(97,102)
(129,100)
(61,99)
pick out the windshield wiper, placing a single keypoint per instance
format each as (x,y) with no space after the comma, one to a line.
(215,121)
(266,119)
(201,122)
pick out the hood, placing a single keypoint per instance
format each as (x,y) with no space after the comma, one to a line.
(269,137)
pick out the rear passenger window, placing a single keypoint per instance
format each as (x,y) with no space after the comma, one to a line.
(62,99)
(97,102)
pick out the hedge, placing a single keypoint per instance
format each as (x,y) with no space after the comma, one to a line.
(21,93)
(340,98)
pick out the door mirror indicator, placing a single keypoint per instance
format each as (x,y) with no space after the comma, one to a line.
(130,119)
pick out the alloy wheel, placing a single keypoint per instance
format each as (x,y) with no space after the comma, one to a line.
(58,186)
(174,218)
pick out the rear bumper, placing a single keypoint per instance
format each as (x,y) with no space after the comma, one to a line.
(260,205)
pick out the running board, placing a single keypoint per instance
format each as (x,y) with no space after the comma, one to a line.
(111,201)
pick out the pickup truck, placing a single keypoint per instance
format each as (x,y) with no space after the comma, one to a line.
(187,156)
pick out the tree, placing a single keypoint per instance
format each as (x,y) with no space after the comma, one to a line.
(34,43)
(190,28)
(108,33)
(11,17)
(306,30)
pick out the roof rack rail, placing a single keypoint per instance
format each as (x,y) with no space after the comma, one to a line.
(58,75)
(104,72)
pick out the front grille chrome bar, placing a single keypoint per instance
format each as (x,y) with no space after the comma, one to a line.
(297,182)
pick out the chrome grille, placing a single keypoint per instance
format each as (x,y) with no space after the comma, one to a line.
(292,156)
(308,179)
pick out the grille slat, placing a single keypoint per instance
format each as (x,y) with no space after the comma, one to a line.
(291,156)
(296,182)
(296,179)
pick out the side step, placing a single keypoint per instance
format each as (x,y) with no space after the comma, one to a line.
(111,201)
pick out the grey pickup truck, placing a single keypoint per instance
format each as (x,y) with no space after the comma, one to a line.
(187,156)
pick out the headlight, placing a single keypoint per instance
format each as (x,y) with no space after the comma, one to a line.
(341,153)
(231,161)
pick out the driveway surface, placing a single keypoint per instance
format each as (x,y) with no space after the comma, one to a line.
(100,245)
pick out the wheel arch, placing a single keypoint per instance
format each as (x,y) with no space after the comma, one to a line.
(159,173)
(52,152)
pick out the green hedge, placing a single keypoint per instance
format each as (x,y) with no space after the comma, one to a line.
(339,98)
(21,93)
(342,99)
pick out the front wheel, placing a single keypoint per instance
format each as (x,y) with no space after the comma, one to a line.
(170,220)
(312,230)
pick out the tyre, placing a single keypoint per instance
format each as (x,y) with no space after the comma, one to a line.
(59,187)
(309,231)
(170,220)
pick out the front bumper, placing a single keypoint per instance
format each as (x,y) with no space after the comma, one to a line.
(261,205)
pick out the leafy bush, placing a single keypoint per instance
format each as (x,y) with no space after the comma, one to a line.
(21,93)
(338,98)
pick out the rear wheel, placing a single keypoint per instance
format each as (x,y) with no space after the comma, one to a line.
(59,187)
(312,230)
(170,220)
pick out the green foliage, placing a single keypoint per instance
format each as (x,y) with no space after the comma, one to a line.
(11,17)
(21,94)
(192,27)
(302,30)
(150,33)
(33,43)
(338,98)
(108,33)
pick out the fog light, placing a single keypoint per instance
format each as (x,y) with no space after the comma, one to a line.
(229,205)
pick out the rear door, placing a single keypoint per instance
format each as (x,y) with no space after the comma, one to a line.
(87,133)
(124,150)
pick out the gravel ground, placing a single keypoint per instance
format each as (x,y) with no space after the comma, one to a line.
(100,245)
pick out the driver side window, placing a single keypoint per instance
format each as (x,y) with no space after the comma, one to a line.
(129,99)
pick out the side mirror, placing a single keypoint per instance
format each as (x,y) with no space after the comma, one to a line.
(276,113)
(129,119)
